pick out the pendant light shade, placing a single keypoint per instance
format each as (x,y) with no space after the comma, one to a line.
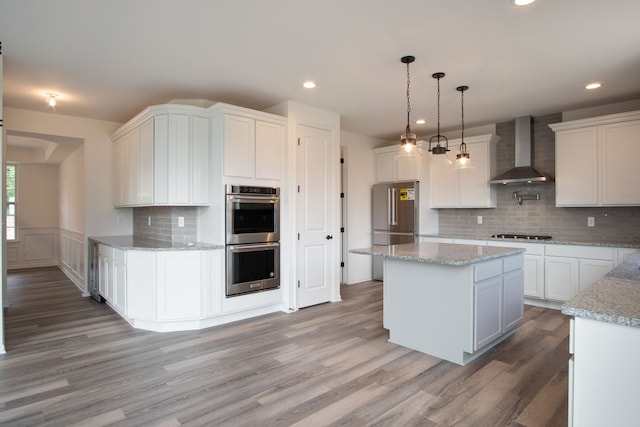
(436,139)
(408,139)
(463,159)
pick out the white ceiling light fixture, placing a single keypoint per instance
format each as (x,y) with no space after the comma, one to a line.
(523,2)
(408,139)
(421,121)
(51,99)
(463,159)
(593,85)
(309,84)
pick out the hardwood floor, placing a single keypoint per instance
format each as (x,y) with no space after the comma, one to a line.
(72,361)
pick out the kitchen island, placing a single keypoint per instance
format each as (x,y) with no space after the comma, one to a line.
(605,344)
(451,301)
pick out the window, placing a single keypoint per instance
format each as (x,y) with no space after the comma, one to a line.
(11,202)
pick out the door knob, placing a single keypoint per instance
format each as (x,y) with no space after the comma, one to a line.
(329,237)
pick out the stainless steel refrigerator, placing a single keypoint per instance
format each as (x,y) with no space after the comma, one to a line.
(395,217)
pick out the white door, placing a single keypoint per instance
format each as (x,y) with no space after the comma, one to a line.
(316,223)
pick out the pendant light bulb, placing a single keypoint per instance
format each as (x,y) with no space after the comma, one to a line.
(408,139)
(52,99)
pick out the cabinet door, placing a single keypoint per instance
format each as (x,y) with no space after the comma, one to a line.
(161,159)
(473,185)
(145,163)
(561,278)
(179,161)
(269,150)
(619,153)
(142,292)
(179,285)
(576,167)
(443,181)
(534,276)
(487,325)
(213,282)
(239,140)
(407,168)
(134,166)
(120,171)
(513,299)
(592,270)
(199,160)
(386,167)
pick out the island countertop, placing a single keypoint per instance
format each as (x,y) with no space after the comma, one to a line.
(140,244)
(439,253)
(614,299)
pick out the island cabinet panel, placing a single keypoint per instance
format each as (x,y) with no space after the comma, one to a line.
(488,311)
(513,297)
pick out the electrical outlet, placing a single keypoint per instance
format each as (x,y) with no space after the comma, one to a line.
(591,221)
(149,221)
(180,221)
(479,219)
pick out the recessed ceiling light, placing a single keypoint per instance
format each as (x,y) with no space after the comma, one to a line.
(594,85)
(523,2)
(309,84)
(51,99)
(421,121)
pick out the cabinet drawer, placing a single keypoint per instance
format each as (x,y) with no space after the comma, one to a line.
(105,251)
(512,263)
(487,269)
(576,251)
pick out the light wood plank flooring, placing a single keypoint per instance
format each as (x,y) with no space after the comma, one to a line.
(72,361)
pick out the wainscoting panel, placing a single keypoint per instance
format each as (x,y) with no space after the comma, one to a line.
(34,247)
(72,257)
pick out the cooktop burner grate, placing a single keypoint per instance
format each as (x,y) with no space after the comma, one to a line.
(521,236)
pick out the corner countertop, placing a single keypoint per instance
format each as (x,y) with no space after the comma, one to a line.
(553,241)
(131,243)
(613,299)
(439,253)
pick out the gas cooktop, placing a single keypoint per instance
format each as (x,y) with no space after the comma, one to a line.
(522,236)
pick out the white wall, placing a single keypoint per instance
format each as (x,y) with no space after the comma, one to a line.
(360,176)
(37,217)
(72,197)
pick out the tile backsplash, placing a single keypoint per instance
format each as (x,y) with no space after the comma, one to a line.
(614,224)
(162,223)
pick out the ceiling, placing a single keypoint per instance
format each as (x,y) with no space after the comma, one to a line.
(108,60)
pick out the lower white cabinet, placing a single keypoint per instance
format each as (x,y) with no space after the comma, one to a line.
(179,285)
(498,299)
(603,377)
(561,278)
(112,277)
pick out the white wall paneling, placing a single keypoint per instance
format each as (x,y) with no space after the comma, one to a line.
(72,257)
(34,247)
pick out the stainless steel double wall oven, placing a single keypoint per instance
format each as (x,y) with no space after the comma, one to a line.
(252,238)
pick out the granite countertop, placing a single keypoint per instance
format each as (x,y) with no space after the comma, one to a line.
(439,253)
(614,299)
(136,243)
(553,241)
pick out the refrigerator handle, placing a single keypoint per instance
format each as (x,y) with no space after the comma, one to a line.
(394,207)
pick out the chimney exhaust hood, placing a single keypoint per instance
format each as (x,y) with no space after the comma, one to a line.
(523,172)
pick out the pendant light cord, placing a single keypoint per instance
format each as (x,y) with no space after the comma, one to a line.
(408,130)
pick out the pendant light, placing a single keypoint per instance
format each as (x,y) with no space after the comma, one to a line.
(438,149)
(408,139)
(463,159)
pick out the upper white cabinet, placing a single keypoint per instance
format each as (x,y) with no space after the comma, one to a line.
(595,161)
(465,188)
(160,157)
(391,166)
(253,143)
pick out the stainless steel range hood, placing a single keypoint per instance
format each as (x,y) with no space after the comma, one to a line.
(523,172)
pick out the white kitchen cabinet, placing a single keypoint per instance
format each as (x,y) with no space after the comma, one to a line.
(392,166)
(464,188)
(167,158)
(595,161)
(253,146)
(603,377)
(112,277)
(487,301)
(621,254)
(179,285)
(572,268)
(512,297)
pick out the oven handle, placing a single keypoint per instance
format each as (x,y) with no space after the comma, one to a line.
(262,199)
(251,246)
